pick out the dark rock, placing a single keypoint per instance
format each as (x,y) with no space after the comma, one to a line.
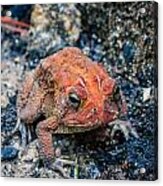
(8,153)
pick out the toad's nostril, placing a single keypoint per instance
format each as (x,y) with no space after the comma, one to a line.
(94,110)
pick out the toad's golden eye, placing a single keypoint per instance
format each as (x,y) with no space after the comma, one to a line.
(74,100)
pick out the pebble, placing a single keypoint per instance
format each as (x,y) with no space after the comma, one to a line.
(142,170)
(58,152)
(8,153)
(146,94)
(4,101)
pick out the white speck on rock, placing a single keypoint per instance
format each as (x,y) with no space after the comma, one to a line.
(146,93)
(142,170)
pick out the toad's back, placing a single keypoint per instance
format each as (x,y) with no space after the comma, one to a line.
(70,63)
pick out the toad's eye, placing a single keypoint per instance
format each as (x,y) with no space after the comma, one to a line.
(74,100)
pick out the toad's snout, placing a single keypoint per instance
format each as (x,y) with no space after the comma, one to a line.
(105,111)
(110,111)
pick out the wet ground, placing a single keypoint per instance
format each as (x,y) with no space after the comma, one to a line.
(121,36)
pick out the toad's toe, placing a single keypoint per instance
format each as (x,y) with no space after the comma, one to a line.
(125,127)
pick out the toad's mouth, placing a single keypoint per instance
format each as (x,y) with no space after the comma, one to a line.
(77,122)
(71,129)
(74,126)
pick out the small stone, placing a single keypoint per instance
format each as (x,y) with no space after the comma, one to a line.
(38,18)
(142,10)
(8,13)
(8,153)
(17,60)
(4,101)
(58,152)
(30,154)
(146,93)
(142,170)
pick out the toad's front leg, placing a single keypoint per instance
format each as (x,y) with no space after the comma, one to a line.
(44,133)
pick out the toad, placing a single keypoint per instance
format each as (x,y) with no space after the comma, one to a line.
(72,94)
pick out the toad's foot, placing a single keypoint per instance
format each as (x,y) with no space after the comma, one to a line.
(56,166)
(125,127)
